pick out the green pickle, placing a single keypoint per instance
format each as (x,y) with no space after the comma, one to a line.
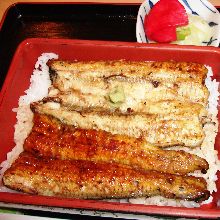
(182,32)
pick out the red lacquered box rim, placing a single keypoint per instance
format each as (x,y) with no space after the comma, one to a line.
(14,86)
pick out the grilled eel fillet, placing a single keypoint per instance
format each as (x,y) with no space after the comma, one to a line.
(142,82)
(161,107)
(89,180)
(51,138)
(159,130)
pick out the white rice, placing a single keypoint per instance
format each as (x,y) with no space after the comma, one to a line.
(39,84)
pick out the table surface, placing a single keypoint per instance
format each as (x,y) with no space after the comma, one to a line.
(5,4)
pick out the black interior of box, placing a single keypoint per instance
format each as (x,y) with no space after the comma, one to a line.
(71,21)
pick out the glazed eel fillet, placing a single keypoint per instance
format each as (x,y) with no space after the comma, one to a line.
(141,83)
(159,130)
(90,180)
(53,139)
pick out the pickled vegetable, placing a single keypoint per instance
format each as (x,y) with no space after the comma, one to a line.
(163,19)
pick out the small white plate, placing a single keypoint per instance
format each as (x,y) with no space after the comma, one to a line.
(202,8)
